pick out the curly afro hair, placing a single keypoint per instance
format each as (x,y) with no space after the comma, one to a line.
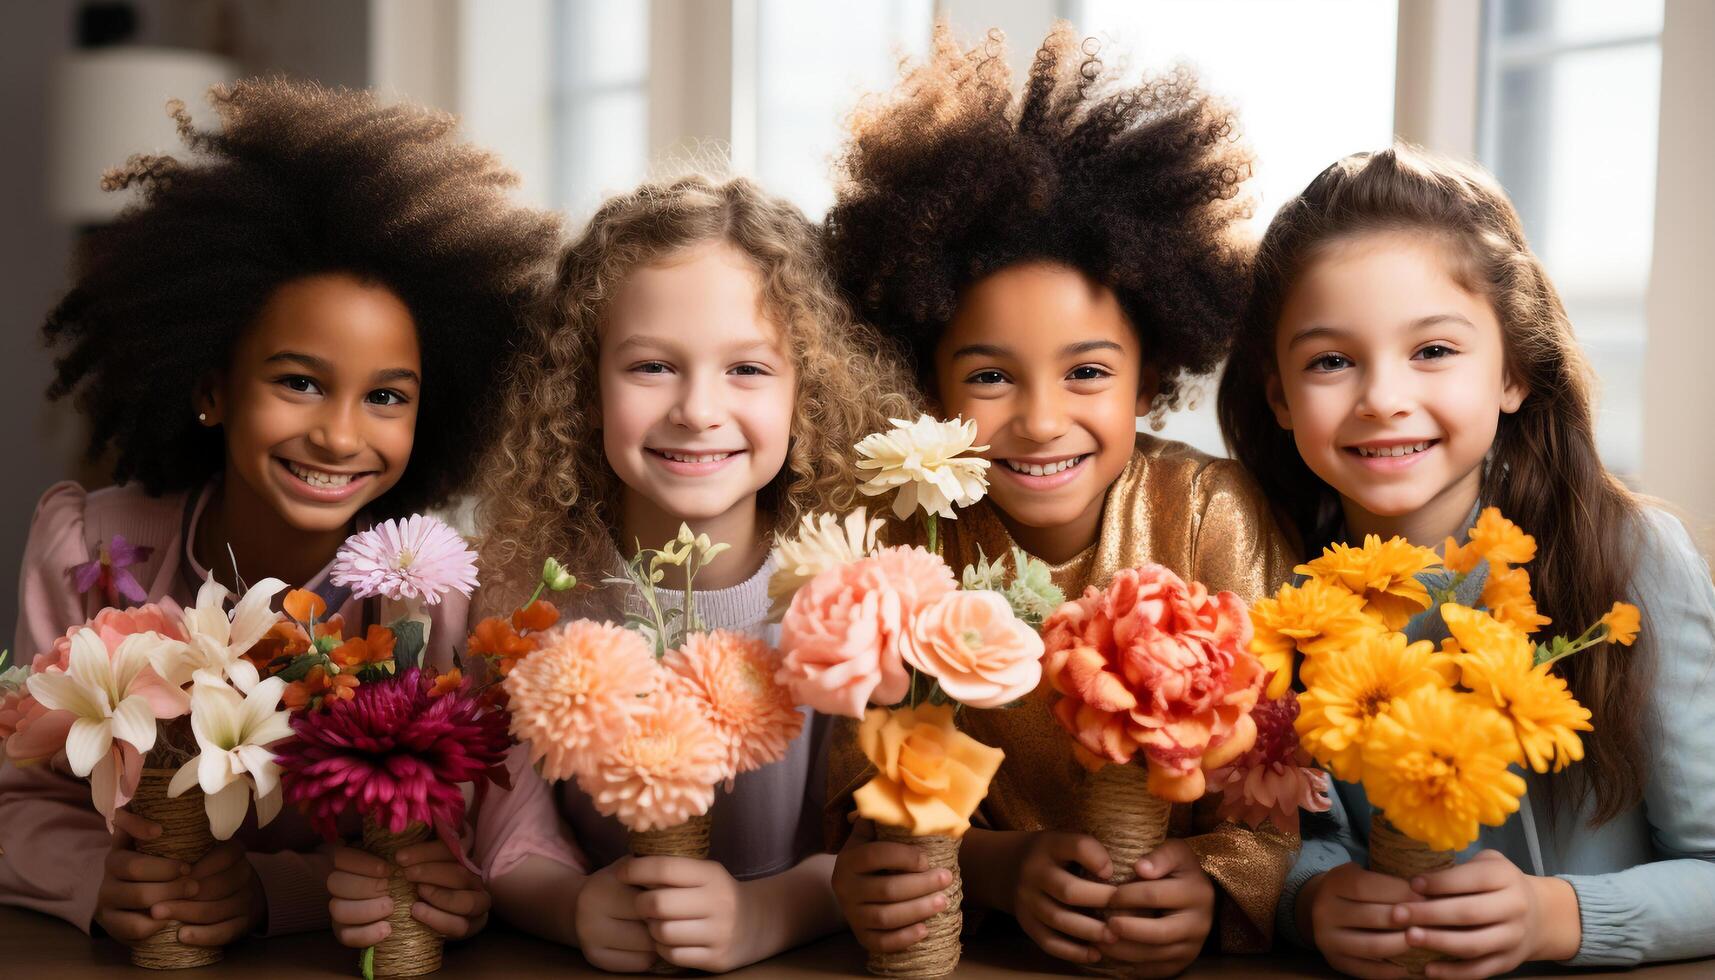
(299,180)
(952,177)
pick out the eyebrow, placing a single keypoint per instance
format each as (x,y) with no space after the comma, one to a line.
(669,345)
(1070,350)
(1421,323)
(322,366)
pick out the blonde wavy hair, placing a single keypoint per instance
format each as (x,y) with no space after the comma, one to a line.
(547,488)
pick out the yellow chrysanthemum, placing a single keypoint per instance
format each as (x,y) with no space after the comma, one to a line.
(1506,595)
(1622,622)
(1436,765)
(1382,573)
(1350,692)
(1497,662)
(1500,540)
(1315,618)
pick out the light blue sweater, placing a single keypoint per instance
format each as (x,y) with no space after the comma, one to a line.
(1646,879)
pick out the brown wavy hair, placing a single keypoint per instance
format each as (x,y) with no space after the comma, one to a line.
(1543,471)
(548,488)
(951,177)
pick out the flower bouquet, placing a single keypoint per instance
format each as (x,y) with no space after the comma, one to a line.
(887,635)
(649,718)
(1432,734)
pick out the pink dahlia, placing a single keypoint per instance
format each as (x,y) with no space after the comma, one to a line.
(661,767)
(1275,778)
(416,558)
(732,677)
(573,694)
(394,754)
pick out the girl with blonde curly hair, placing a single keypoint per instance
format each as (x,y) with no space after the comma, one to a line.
(695,364)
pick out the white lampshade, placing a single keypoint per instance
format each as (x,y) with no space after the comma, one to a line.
(109,103)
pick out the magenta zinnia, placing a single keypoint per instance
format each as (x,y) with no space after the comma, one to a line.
(392,753)
(418,558)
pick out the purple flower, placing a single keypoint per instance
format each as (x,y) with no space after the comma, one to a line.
(392,753)
(417,558)
(108,570)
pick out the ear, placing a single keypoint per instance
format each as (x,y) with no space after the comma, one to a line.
(1277,400)
(1148,386)
(1513,396)
(210,403)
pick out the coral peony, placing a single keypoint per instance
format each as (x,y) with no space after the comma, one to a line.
(980,653)
(732,676)
(418,558)
(929,775)
(1154,664)
(660,766)
(1275,778)
(576,692)
(841,637)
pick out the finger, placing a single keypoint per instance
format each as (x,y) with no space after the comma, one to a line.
(1461,910)
(217,860)
(887,856)
(664,872)
(355,887)
(1372,886)
(1082,850)
(1365,944)
(133,827)
(446,874)
(201,913)
(1164,893)
(631,937)
(1167,960)
(360,863)
(690,957)
(428,852)
(1367,969)
(1464,944)
(369,911)
(880,888)
(468,902)
(1172,856)
(1057,945)
(131,866)
(1063,920)
(127,927)
(679,932)
(885,917)
(1463,879)
(621,960)
(1069,889)
(445,923)
(216,933)
(1344,914)
(672,903)
(140,895)
(226,881)
(1166,931)
(360,937)
(863,831)
(1476,969)
(891,941)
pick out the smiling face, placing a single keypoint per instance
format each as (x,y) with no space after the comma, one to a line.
(1393,381)
(696,396)
(1045,362)
(319,404)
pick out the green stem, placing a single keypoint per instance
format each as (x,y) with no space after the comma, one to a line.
(932,532)
(533,596)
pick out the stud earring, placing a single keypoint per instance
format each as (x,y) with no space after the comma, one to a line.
(202,416)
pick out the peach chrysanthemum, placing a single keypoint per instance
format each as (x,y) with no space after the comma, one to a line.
(1383,573)
(660,767)
(576,692)
(732,676)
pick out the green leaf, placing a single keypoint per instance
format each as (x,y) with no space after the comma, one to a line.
(301,665)
(408,643)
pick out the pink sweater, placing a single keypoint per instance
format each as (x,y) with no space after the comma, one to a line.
(52,841)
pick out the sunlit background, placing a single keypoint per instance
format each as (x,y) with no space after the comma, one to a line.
(1563,99)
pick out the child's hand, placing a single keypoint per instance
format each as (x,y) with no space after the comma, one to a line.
(886,890)
(451,900)
(1048,893)
(1172,885)
(218,898)
(228,902)
(1351,919)
(610,931)
(1489,916)
(695,911)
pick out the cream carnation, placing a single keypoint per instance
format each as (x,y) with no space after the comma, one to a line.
(924,460)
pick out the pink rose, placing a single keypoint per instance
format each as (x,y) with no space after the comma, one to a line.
(1153,664)
(841,637)
(981,654)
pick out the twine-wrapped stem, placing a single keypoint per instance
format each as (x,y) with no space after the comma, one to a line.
(937,953)
(1120,812)
(184,837)
(412,948)
(689,839)
(1393,853)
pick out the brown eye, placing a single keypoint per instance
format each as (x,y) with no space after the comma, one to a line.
(990,377)
(1330,362)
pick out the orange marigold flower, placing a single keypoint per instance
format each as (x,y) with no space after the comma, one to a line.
(1506,595)
(446,683)
(304,605)
(537,616)
(1622,622)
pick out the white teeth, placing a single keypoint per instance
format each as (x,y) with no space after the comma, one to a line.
(1045,469)
(316,478)
(1386,451)
(693,457)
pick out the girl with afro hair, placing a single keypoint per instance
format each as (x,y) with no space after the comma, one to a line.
(295,331)
(1058,263)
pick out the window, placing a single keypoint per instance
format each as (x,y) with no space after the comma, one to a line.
(1570,107)
(600,103)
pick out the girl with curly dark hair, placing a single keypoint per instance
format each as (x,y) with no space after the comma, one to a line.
(1059,263)
(295,330)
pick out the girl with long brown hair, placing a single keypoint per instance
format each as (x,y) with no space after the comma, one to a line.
(1405,359)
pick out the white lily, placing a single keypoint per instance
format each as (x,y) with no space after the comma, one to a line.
(234,734)
(110,697)
(215,640)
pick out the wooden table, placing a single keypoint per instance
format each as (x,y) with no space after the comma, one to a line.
(38,947)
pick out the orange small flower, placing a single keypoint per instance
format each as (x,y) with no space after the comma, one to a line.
(333,626)
(283,639)
(1506,595)
(317,686)
(535,617)
(495,637)
(447,683)
(304,605)
(1622,622)
(374,647)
